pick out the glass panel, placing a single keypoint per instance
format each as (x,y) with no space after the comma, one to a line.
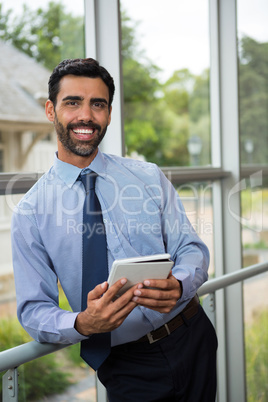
(165,49)
(253,99)
(253,80)
(256,337)
(34,37)
(197,199)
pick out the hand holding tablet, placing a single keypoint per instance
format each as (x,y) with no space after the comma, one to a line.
(138,269)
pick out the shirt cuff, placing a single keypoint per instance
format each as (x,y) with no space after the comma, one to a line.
(185,285)
(68,330)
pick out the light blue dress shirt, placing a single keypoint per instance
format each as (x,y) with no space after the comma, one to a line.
(143,215)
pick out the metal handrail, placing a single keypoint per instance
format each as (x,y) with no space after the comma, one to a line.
(20,182)
(21,354)
(229,279)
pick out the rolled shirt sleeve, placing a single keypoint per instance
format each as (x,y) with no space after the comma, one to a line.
(36,286)
(188,251)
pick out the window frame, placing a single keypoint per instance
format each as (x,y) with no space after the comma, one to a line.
(102,21)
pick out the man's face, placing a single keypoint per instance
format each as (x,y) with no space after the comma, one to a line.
(81,117)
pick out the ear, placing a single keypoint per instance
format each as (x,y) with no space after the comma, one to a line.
(50,110)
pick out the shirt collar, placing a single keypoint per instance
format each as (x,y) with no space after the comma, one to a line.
(69,173)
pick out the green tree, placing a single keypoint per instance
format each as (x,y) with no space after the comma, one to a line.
(140,87)
(199,99)
(177,91)
(253,98)
(187,98)
(40,33)
(158,118)
(4,23)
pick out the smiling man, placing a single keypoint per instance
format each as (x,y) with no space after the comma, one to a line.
(154,342)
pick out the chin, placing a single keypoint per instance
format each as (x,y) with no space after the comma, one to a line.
(84,151)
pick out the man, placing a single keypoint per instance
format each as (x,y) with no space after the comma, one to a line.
(142,215)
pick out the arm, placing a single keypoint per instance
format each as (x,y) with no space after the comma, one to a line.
(36,286)
(187,250)
(37,293)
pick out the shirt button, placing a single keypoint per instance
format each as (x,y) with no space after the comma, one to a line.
(105,221)
(117,250)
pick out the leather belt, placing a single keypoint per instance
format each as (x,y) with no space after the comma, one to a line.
(188,312)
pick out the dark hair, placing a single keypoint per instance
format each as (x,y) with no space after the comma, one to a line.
(80,67)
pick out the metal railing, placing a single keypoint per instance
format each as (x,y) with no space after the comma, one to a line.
(19,183)
(11,359)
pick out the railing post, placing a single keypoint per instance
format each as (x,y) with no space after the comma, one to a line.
(209,307)
(10,386)
(101,391)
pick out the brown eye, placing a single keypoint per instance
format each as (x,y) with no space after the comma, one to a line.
(99,106)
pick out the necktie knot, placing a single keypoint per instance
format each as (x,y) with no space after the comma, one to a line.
(88,180)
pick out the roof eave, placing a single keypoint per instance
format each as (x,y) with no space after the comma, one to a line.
(21,123)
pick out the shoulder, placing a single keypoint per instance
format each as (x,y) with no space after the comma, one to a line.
(132,165)
(35,194)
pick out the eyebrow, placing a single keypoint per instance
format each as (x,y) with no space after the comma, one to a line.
(75,97)
(71,97)
(103,100)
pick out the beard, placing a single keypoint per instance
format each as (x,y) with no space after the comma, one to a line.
(80,148)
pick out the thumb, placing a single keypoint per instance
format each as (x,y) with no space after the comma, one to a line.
(98,291)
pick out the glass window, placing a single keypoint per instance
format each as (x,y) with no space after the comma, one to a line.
(166,81)
(197,199)
(253,99)
(34,37)
(253,80)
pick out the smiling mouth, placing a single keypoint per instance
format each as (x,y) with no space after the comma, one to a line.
(83,133)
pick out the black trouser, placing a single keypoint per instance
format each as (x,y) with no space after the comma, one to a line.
(180,367)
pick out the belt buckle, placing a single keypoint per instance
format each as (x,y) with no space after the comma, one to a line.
(152,340)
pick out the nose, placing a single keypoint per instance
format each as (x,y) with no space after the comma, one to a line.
(86,113)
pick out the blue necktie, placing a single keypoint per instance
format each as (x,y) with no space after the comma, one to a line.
(95,268)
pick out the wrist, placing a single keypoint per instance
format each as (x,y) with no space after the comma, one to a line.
(81,324)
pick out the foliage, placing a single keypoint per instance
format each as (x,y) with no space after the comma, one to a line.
(39,33)
(253,98)
(260,245)
(38,378)
(159,117)
(257,358)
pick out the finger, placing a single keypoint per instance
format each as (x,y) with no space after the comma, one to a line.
(98,291)
(113,290)
(157,295)
(165,284)
(128,295)
(162,306)
(122,306)
(121,314)
(114,315)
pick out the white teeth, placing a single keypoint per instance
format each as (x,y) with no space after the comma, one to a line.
(83,131)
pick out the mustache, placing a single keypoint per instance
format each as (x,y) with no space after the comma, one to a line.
(94,126)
